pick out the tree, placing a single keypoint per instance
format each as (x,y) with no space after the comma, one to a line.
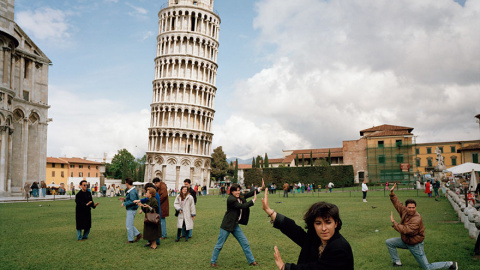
(219,163)
(139,174)
(253,162)
(296,161)
(258,162)
(235,173)
(311,159)
(321,162)
(266,161)
(329,157)
(123,165)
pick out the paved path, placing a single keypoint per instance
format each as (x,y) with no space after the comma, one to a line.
(14,199)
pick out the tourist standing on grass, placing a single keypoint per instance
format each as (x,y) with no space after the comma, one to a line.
(43,186)
(238,212)
(364,190)
(322,245)
(164,204)
(34,188)
(131,195)
(147,200)
(151,232)
(330,186)
(83,215)
(412,234)
(428,190)
(26,190)
(185,205)
(436,186)
(188,183)
(72,188)
(286,187)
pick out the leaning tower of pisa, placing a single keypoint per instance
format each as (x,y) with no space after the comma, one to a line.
(180,133)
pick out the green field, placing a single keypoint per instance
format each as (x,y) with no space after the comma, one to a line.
(34,237)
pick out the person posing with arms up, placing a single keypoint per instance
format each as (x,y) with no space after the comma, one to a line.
(322,245)
(83,214)
(412,234)
(238,212)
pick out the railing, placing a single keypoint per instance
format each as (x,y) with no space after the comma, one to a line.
(164,5)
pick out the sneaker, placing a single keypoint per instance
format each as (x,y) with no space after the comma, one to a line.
(213,265)
(139,236)
(254,264)
(454,266)
(397,264)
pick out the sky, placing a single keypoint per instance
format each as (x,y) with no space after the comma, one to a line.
(292,74)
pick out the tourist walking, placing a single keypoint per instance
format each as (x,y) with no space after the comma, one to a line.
(286,187)
(83,216)
(26,190)
(322,245)
(131,195)
(185,206)
(238,212)
(72,188)
(412,234)
(364,190)
(330,186)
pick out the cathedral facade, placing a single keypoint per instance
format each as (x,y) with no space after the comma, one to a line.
(23,106)
(182,109)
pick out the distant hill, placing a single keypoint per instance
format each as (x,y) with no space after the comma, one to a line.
(240,161)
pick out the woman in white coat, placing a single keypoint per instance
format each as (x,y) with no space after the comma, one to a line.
(185,207)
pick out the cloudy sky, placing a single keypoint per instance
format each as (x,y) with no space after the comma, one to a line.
(292,74)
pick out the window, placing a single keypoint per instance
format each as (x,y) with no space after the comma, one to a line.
(441,149)
(381,144)
(89,167)
(475,157)
(53,173)
(417,162)
(26,71)
(400,158)
(71,174)
(26,95)
(62,174)
(62,166)
(417,151)
(96,175)
(88,174)
(429,150)
(72,166)
(80,174)
(453,149)
(381,159)
(429,161)
(53,165)
(398,143)
(80,166)
(454,160)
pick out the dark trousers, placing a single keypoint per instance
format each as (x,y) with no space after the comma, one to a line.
(285,192)
(477,246)
(364,195)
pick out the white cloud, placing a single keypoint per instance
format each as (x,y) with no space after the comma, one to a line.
(138,12)
(45,24)
(85,127)
(342,66)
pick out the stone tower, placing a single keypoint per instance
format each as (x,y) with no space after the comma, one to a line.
(180,133)
(23,106)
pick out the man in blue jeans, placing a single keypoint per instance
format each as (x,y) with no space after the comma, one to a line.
(238,212)
(131,195)
(412,234)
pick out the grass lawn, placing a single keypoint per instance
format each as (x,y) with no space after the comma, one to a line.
(34,237)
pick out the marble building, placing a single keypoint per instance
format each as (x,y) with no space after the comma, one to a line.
(23,105)
(182,109)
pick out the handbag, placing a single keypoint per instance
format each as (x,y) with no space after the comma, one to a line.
(177,212)
(152,218)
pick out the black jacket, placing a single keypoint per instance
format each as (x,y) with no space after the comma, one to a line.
(233,211)
(336,255)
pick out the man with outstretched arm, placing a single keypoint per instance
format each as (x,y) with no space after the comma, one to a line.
(412,234)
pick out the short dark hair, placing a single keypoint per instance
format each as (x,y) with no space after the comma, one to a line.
(235,187)
(155,180)
(409,201)
(187,180)
(129,181)
(323,210)
(82,182)
(148,185)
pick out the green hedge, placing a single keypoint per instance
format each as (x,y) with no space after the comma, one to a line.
(341,176)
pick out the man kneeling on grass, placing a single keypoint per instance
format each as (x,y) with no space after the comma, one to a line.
(412,233)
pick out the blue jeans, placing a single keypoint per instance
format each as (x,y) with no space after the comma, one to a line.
(163,224)
(417,252)
(242,240)
(85,234)
(44,191)
(184,232)
(131,230)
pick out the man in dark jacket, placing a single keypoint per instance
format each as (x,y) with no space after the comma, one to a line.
(238,212)
(412,234)
(83,215)
(164,205)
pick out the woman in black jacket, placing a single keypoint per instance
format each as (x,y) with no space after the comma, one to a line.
(323,247)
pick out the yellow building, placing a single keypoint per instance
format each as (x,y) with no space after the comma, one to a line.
(454,153)
(57,171)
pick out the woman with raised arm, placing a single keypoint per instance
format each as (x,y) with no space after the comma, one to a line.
(322,245)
